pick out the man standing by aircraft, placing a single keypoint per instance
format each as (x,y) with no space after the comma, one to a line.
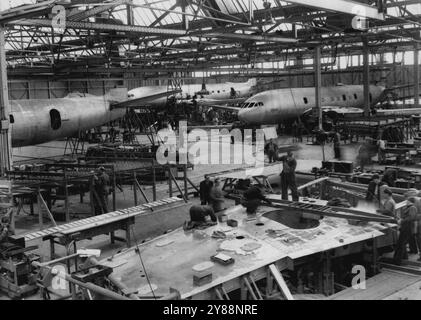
(288,176)
(271,150)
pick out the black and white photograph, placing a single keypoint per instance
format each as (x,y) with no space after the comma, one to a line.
(210,158)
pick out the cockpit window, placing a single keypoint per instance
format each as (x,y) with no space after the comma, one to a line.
(261,104)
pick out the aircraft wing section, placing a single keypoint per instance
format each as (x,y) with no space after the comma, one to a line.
(401,112)
(338,110)
(224,107)
(214,102)
(342,110)
(143,100)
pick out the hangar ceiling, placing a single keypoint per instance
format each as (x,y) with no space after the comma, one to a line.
(159,37)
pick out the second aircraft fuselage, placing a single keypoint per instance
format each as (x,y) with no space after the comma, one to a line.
(276,106)
(220,91)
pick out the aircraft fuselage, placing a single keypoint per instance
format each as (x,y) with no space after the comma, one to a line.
(276,106)
(37,121)
(221,91)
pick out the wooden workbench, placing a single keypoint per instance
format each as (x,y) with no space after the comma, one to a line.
(108,223)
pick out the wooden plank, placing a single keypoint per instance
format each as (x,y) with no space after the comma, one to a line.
(411,292)
(281,282)
(407,269)
(37,234)
(47,209)
(378,287)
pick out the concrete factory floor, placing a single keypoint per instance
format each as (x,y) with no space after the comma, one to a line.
(147,227)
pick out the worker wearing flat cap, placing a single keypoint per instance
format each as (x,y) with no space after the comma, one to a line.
(373,190)
(101,183)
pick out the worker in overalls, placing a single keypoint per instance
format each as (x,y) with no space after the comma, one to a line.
(252,199)
(337,145)
(288,176)
(5,229)
(406,230)
(202,214)
(205,188)
(271,150)
(381,155)
(216,197)
(101,185)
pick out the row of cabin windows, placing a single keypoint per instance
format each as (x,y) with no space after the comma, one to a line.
(219,91)
(344,98)
(305,99)
(252,105)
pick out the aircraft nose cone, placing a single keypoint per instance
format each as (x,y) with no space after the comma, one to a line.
(242,116)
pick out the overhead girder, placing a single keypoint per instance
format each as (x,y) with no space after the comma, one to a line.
(263,53)
(103,27)
(266,47)
(156,71)
(99,61)
(250,37)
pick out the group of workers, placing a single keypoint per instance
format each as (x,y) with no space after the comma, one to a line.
(211,194)
(212,197)
(211,201)
(409,219)
(409,227)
